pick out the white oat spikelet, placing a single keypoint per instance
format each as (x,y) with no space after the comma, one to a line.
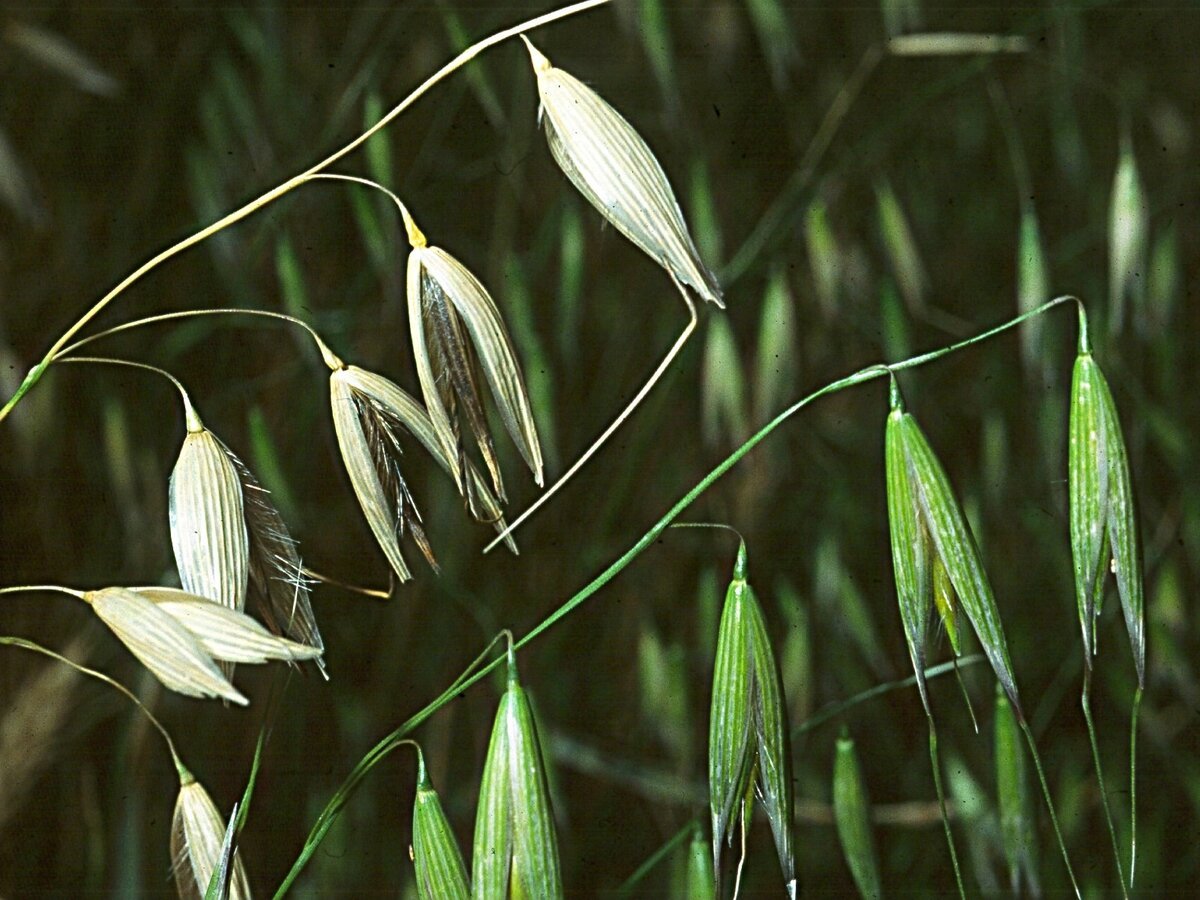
(208,526)
(230,540)
(180,637)
(197,836)
(369,414)
(456,330)
(610,164)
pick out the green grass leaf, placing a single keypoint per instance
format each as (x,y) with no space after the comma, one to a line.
(851,813)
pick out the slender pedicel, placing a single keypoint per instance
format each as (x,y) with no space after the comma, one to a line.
(278,191)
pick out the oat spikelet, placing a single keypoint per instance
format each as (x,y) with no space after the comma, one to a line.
(180,637)
(369,446)
(197,835)
(222,633)
(161,644)
(456,330)
(208,527)
(610,164)
(394,403)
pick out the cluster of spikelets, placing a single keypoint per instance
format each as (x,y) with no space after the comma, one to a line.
(515,848)
(229,540)
(232,546)
(938,566)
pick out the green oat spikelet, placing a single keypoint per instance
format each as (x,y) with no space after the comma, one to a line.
(610,164)
(441,872)
(515,848)
(1104,534)
(927,521)
(912,550)
(197,838)
(852,815)
(748,738)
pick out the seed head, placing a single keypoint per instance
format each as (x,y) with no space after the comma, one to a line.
(456,332)
(610,164)
(748,741)
(230,540)
(1104,535)
(928,529)
(441,872)
(208,526)
(197,836)
(179,637)
(515,843)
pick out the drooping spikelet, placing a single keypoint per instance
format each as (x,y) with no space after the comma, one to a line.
(230,540)
(928,528)
(748,739)
(456,330)
(367,440)
(208,527)
(610,164)
(179,637)
(197,835)
(437,859)
(369,415)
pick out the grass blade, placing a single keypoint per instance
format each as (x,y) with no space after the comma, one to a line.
(851,813)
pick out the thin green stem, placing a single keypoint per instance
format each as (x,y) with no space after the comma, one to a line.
(680,837)
(331,359)
(280,190)
(1037,763)
(376,755)
(1086,702)
(836,709)
(935,762)
(329,814)
(1133,719)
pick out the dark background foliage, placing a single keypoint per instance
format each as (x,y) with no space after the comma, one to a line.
(206,107)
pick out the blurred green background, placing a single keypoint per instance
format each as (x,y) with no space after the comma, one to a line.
(859,205)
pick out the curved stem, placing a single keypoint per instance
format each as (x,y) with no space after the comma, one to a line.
(374,756)
(934,760)
(614,425)
(189,412)
(278,191)
(414,234)
(331,359)
(465,680)
(1037,763)
(54,588)
(1133,719)
(111,682)
(721,526)
(1086,702)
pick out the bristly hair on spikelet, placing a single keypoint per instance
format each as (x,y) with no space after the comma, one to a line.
(277,583)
